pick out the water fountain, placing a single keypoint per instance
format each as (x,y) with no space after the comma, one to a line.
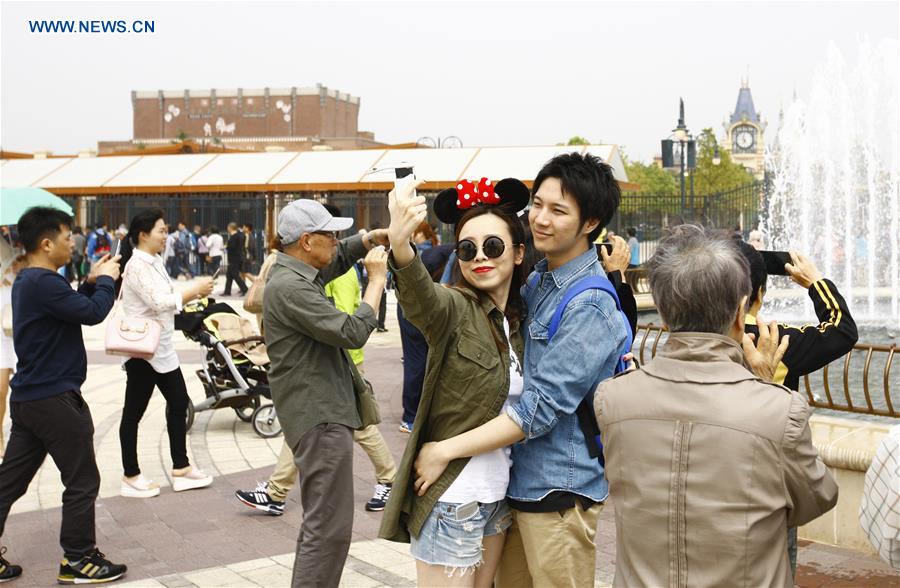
(835,193)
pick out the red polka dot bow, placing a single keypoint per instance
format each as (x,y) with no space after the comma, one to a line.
(468,194)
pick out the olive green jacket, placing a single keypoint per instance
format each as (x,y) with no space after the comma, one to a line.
(311,378)
(466,383)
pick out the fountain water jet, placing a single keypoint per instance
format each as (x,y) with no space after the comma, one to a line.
(835,194)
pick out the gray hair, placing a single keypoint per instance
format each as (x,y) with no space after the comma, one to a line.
(698,277)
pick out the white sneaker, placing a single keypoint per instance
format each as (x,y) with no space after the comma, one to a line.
(140,487)
(194,478)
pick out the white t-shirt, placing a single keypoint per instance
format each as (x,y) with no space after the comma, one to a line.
(215,244)
(486,476)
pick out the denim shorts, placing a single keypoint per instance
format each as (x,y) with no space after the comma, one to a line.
(448,541)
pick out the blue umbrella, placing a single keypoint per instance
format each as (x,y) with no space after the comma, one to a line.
(15,201)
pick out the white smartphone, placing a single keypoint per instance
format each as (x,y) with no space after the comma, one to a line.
(118,247)
(216,274)
(404,176)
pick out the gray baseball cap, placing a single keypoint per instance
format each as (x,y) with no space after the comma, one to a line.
(307,216)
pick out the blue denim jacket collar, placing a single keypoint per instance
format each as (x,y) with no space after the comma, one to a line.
(564,274)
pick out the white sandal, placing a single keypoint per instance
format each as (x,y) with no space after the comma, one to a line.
(194,478)
(141,487)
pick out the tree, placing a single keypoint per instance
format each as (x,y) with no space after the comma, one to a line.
(710,178)
(652,178)
(576,140)
(657,189)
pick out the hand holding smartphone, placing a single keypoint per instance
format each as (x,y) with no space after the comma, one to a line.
(775,262)
(404,176)
(601,246)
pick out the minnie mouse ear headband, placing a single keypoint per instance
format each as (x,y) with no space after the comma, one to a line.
(451,204)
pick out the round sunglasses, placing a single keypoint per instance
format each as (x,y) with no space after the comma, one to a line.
(493,247)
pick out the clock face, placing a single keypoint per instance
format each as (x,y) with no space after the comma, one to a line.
(744,139)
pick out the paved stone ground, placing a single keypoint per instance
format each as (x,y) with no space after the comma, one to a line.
(206,538)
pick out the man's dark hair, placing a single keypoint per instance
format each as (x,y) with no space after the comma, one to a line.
(98,226)
(39,223)
(589,182)
(632,232)
(249,226)
(758,274)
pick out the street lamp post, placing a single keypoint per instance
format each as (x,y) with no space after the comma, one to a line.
(681,135)
(686,151)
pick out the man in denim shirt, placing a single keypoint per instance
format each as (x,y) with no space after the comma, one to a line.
(556,488)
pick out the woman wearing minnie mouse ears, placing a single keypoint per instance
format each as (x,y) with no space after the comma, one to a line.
(473,371)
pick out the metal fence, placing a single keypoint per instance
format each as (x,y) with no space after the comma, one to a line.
(192,210)
(651,214)
(865,384)
(206,210)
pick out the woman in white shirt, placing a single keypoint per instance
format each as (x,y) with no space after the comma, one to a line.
(216,244)
(147,291)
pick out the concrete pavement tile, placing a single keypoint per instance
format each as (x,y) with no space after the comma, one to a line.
(352,579)
(144,583)
(285,559)
(222,577)
(176,581)
(405,570)
(188,527)
(377,555)
(252,564)
(270,576)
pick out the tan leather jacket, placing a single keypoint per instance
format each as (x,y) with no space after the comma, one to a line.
(707,467)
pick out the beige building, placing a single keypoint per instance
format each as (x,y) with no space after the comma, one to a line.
(745,133)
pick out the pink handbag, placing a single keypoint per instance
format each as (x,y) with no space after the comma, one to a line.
(132,336)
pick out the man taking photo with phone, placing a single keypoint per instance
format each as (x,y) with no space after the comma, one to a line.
(49,414)
(811,346)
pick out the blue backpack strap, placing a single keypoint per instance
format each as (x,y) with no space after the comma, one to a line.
(589,283)
(586,420)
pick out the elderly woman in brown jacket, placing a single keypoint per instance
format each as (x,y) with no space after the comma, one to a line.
(708,461)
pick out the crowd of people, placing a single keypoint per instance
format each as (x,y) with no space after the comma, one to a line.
(187,252)
(525,410)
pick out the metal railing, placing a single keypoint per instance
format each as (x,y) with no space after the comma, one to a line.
(858,396)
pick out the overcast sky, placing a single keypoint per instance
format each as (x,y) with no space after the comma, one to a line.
(507,73)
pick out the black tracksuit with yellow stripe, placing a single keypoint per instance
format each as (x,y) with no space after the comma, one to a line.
(812,347)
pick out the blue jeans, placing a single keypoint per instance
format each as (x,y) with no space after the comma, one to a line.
(453,539)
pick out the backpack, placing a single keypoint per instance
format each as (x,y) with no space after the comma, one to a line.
(178,245)
(587,421)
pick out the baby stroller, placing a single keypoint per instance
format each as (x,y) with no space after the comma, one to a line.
(235,374)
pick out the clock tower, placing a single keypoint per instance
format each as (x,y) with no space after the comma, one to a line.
(745,134)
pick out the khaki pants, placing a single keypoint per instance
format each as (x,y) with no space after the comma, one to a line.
(550,549)
(285,475)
